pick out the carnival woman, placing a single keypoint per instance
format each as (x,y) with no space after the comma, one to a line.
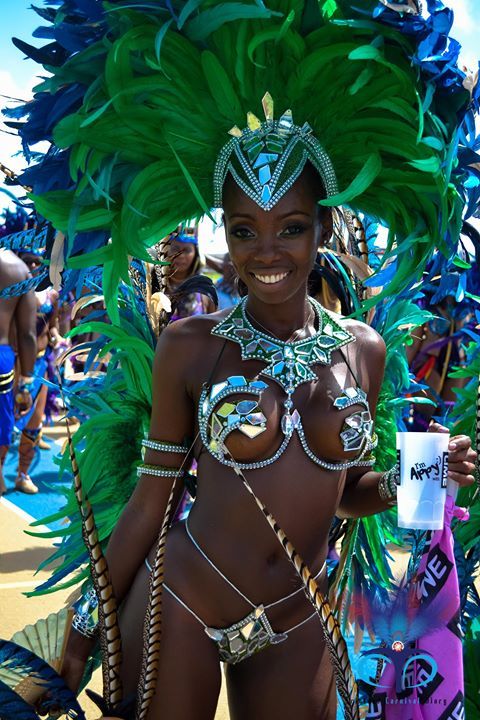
(275,400)
(301,431)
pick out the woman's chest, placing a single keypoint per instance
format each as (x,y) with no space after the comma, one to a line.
(254,417)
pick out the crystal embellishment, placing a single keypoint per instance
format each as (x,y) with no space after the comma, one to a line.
(288,363)
(257,157)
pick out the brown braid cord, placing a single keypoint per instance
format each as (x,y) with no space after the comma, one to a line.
(107,605)
(152,632)
(360,240)
(346,684)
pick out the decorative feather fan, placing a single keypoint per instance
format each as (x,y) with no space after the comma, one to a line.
(45,639)
(30,676)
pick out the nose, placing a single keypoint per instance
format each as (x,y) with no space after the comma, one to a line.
(266,249)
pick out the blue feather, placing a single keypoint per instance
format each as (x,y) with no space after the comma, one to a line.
(15,657)
(14,707)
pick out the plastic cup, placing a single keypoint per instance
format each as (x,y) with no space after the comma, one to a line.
(422,492)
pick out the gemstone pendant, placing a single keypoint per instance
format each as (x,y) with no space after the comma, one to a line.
(287,424)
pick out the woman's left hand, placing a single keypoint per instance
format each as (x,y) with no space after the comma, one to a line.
(461,456)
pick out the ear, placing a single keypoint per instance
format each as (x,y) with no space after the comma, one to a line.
(326,219)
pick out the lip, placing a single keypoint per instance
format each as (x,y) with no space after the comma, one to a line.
(273,277)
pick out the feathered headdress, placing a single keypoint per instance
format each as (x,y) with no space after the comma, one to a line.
(154,101)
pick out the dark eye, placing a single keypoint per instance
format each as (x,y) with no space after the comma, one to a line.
(295,229)
(241,232)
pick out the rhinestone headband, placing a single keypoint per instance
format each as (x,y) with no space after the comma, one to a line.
(266,158)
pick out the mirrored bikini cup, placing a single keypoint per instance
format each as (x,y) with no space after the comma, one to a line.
(289,364)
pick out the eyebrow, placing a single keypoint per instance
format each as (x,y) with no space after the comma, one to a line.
(282,217)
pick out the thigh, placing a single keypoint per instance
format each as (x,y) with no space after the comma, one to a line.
(189,677)
(291,680)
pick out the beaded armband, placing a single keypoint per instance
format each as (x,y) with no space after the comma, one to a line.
(165,446)
(387,485)
(85,620)
(157,470)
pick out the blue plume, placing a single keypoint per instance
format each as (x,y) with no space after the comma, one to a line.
(14,707)
(15,657)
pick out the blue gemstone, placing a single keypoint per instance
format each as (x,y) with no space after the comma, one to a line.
(267,345)
(264,159)
(236,380)
(256,418)
(232,419)
(246,406)
(259,385)
(266,194)
(264,174)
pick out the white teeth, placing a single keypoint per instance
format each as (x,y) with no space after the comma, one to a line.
(270,279)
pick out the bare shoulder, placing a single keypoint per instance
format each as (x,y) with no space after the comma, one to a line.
(186,342)
(367,339)
(12,269)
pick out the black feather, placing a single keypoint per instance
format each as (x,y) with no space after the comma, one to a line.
(51,54)
(196,284)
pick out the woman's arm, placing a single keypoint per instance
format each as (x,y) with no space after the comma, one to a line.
(360,496)
(139,525)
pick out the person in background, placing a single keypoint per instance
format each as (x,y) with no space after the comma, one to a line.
(48,338)
(227,285)
(17,319)
(184,256)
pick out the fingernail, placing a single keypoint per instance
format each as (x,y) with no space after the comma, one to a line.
(452,446)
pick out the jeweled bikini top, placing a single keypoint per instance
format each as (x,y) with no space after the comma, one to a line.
(289,365)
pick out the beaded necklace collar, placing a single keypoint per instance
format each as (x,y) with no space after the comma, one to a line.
(288,363)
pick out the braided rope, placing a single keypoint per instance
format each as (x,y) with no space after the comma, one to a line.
(107,606)
(161,272)
(152,632)
(360,239)
(346,684)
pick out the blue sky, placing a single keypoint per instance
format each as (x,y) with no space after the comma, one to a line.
(18,76)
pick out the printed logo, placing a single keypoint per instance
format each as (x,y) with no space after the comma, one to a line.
(456,709)
(433,578)
(412,667)
(437,470)
(421,471)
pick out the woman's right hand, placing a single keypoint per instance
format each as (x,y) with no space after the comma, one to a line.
(77,651)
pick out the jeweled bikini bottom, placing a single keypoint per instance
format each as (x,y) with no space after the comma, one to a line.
(250,634)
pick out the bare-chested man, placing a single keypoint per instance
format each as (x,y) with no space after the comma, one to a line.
(17,318)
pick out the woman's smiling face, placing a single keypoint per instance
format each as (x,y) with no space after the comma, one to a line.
(274,252)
